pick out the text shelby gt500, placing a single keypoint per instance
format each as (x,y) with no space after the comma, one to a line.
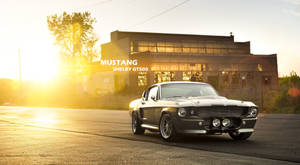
(174,108)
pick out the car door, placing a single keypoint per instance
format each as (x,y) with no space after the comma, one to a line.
(157,108)
(148,106)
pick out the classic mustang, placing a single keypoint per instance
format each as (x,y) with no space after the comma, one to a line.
(178,107)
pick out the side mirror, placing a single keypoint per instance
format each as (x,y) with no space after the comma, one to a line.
(153,98)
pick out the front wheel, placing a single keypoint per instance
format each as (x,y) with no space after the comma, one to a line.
(166,128)
(136,125)
(240,136)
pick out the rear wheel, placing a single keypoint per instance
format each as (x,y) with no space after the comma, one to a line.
(166,128)
(240,136)
(136,125)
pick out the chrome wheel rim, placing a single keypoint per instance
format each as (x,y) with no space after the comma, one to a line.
(166,127)
(134,123)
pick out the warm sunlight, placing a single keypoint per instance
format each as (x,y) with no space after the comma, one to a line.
(44,119)
(39,60)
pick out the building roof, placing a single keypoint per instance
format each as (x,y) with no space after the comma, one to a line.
(123,34)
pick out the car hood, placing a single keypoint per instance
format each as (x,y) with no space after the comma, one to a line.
(205,101)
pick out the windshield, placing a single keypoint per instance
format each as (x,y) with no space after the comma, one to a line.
(187,90)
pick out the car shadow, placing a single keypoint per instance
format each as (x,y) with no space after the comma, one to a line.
(223,140)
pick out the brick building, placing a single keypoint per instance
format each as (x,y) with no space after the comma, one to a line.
(227,65)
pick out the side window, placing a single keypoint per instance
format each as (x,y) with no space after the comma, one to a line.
(145,94)
(152,92)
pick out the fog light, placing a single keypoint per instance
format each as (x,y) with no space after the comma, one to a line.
(200,123)
(216,122)
(226,122)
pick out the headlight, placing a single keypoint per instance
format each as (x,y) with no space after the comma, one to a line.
(226,122)
(253,111)
(181,112)
(216,122)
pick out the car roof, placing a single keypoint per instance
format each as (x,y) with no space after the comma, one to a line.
(179,82)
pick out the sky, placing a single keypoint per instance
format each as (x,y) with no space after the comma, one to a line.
(272,27)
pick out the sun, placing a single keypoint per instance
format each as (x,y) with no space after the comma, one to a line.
(39,61)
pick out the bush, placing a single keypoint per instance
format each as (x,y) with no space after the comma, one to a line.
(287,99)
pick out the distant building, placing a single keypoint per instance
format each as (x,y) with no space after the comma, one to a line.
(228,65)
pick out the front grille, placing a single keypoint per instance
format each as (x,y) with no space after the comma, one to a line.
(218,111)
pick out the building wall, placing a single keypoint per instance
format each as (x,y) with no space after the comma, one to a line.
(100,83)
(229,65)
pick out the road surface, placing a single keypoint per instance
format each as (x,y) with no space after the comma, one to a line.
(82,136)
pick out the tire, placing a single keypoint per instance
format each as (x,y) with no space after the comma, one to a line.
(166,128)
(136,125)
(240,136)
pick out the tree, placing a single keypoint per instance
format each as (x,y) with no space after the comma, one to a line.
(8,91)
(287,99)
(74,34)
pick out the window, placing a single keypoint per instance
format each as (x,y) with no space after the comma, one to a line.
(186,76)
(152,92)
(143,48)
(164,76)
(209,51)
(131,46)
(267,80)
(243,81)
(197,76)
(177,49)
(183,67)
(186,50)
(194,50)
(134,46)
(161,49)
(142,78)
(235,78)
(152,49)
(164,67)
(259,67)
(182,47)
(200,67)
(225,78)
(202,50)
(192,76)
(169,49)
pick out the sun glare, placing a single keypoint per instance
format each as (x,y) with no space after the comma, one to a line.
(39,61)
(44,118)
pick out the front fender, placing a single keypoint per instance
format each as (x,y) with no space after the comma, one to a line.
(134,106)
(169,110)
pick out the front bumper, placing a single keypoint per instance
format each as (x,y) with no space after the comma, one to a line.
(204,126)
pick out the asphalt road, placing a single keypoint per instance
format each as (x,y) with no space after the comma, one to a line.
(80,136)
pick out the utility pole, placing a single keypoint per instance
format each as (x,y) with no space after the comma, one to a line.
(20,73)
